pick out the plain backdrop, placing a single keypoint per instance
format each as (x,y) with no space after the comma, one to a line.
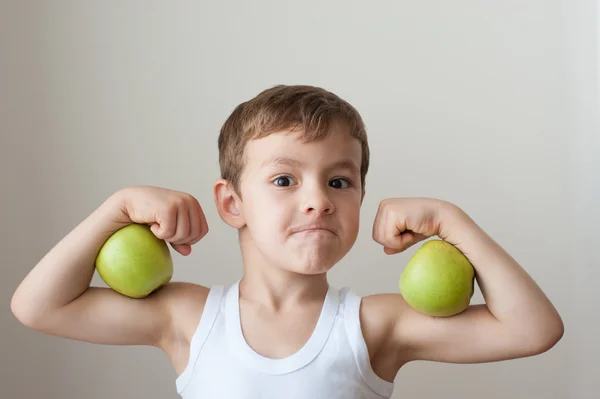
(492,105)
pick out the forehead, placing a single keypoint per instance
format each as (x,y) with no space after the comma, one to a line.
(338,145)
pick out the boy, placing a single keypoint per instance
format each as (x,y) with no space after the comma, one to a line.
(293,163)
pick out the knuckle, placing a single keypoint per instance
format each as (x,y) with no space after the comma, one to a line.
(169,222)
(179,202)
(381,242)
(203,232)
(188,198)
(376,235)
(169,229)
(185,199)
(172,208)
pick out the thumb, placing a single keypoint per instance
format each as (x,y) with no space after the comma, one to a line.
(391,251)
(157,230)
(183,249)
(404,241)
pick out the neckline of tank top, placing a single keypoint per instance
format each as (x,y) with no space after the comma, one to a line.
(295,361)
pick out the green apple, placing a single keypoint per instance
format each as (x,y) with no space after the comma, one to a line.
(134,262)
(438,280)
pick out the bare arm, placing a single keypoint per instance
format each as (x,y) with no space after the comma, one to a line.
(517,319)
(56,297)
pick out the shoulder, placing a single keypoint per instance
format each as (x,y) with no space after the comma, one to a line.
(184,303)
(385,308)
(181,294)
(380,317)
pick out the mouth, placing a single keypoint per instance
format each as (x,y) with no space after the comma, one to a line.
(314,229)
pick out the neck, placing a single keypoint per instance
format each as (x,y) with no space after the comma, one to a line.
(272,285)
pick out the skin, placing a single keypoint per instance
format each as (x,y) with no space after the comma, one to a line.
(297,212)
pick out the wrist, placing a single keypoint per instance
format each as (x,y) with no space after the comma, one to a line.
(452,219)
(114,209)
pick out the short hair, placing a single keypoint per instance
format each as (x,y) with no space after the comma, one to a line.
(311,110)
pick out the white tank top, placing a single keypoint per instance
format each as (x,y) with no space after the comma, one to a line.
(334,362)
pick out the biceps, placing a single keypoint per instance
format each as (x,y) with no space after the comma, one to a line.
(473,336)
(103,316)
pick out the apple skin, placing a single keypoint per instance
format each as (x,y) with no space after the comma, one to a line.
(438,280)
(134,262)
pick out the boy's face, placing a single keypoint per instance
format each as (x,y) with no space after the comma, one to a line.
(301,201)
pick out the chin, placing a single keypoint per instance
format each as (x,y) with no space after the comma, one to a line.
(312,266)
(312,270)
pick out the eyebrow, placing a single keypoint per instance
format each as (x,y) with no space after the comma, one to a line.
(286,161)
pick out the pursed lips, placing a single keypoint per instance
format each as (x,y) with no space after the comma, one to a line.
(313,228)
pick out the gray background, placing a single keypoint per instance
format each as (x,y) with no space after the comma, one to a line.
(492,105)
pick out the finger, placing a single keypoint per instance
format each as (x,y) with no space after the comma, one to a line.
(200,226)
(183,249)
(182,232)
(203,222)
(406,240)
(194,225)
(391,251)
(384,224)
(394,233)
(376,223)
(379,226)
(398,243)
(166,224)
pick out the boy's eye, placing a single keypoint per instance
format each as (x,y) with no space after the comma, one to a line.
(339,183)
(284,181)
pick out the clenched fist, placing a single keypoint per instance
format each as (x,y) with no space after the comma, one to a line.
(403,222)
(173,216)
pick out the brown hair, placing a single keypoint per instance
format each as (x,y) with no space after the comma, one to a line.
(309,109)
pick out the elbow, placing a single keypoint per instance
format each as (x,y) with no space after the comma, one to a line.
(554,334)
(18,311)
(547,336)
(23,313)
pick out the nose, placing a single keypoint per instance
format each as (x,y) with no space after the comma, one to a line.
(316,200)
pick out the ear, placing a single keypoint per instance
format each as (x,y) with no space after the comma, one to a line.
(228,204)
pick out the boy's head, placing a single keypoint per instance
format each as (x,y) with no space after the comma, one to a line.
(293,165)
(307,109)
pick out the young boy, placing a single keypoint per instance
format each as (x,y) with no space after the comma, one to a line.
(293,163)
